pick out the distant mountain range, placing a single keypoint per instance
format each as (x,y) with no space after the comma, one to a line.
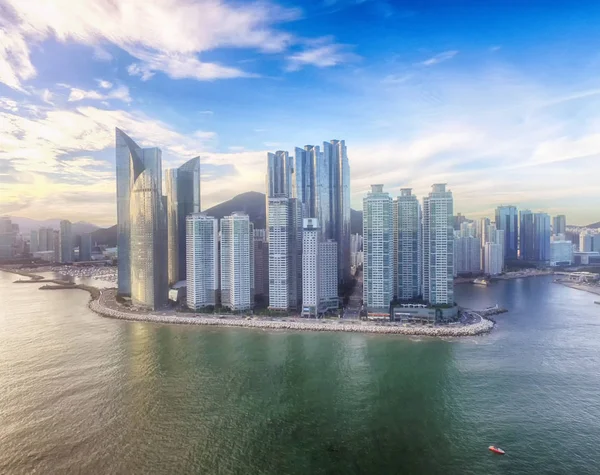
(252,203)
(26,225)
(594,226)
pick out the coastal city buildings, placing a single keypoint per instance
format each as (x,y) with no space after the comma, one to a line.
(131,160)
(148,242)
(526,235)
(66,241)
(7,238)
(202,266)
(561,253)
(493,258)
(311,276)
(85,247)
(378,250)
(507,220)
(183,199)
(559,224)
(34,243)
(467,255)
(407,227)
(237,262)
(541,236)
(261,263)
(438,247)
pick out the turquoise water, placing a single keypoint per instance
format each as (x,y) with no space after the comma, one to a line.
(84,394)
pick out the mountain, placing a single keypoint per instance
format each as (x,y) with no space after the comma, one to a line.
(26,225)
(594,226)
(105,236)
(251,203)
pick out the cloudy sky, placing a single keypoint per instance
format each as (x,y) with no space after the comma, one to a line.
(499,99)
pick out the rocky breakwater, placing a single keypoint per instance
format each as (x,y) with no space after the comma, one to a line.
(453,330)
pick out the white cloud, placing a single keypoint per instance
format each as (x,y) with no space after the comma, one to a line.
(167,36)
(121,93)
(104,84)
(439,58)
(321,56)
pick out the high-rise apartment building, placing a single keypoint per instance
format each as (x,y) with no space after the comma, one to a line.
(183,199)
(85,247)
(483,226)
(508,221)
(7,238)
(526,238)
(131,160)
(438,247)
(561,253)
(559,224)
(493,258)
(66,241)
(261,263)
(467,255)
(278,236)
(378,278)
(408,246)
(202,255)
(148,242)
(319,271)
(237,262)
(34,242)
(542,234)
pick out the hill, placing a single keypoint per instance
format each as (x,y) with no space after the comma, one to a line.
(252,203)
(594,226)
(26,225)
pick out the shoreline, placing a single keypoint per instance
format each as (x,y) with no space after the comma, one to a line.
(96,305)
(576,286)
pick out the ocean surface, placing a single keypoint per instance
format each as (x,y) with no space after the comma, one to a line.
(83,394)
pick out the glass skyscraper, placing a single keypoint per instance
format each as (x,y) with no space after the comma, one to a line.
(526,238)
(541,235)
(131,160)
(66,241)
(183,199)
(507,220)
(408,252)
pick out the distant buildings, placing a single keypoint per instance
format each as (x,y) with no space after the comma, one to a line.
(34,243)
(559,224)
(237,262)
(589,242)
(66,241)
(467,255)
(507,220)
(183,199)
(378,251)
(541,234)
(261,263)
(561,253)
(438,247)
(493,258)
(85,247)
(7,238)
(202,266)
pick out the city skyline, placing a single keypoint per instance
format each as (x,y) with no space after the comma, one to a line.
(479,106)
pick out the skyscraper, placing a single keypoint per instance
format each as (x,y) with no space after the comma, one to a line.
(378,250)
(85,247)
(507,220)
(559,224)
(467,255)
(66,241)
(319,271)
(336,154)
(408,247)
(131,161)
(202,254)
(278,233)
(542,234)
(438,247)
(261,263)
(493,258)
(183,199)
(7,238)
(34,243)
(526,236)
(148,243)
(237,267)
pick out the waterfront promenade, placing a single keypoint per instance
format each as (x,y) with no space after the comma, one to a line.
(107,306)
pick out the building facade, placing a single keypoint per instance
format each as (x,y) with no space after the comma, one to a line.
(408,246)
(542,234)
(202,266)
(378,241)
(561,253)
(467,255)
(237,262)
(507,219)
(183,199)
(438,247)
(559,224)
(85,247)
(66,241)
(493,258)
(148,253)
(131,160)
(311,275)
(261,263)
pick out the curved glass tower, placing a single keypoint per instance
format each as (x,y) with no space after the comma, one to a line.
(147,251)
(183,199)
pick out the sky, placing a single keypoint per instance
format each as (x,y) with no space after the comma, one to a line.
(498,99)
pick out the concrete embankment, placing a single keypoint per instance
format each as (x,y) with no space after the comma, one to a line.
(483,326)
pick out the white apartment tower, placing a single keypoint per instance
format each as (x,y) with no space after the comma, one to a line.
(202,260)
(378,240)
(407,246)
(66,241)
(237,266)
(438,246)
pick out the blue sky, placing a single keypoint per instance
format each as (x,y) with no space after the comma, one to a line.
(498,99)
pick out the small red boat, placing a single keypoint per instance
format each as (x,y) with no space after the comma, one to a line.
(496,450)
